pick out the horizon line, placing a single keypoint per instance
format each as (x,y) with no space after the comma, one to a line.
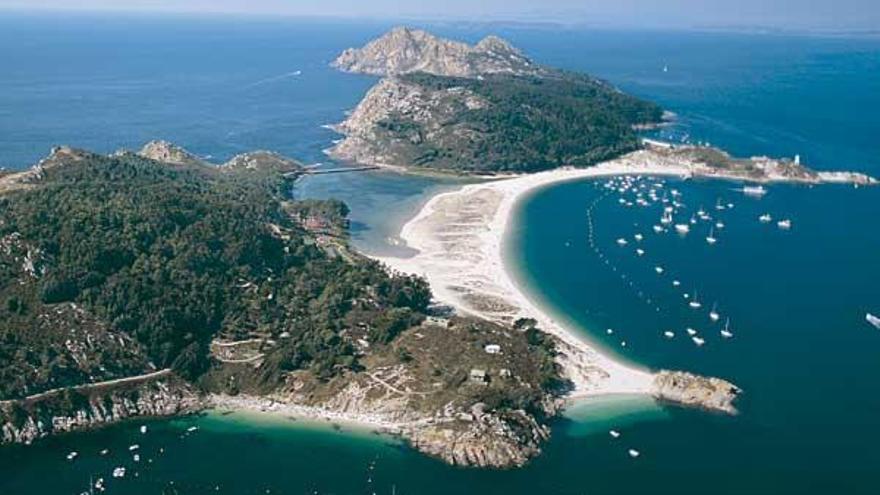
(512,20)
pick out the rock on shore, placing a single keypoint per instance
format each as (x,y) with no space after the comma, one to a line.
(697,391)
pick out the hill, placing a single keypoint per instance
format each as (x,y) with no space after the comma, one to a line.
(484,108)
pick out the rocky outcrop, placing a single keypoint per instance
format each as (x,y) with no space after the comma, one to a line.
(696,391)
(482,440)
(367,140)
(262,160)
(403,50)
(25,421)
(165,152)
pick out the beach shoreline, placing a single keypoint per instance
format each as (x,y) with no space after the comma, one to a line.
(459,236)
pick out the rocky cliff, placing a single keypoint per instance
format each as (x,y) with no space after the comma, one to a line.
(403,50)
(23,421)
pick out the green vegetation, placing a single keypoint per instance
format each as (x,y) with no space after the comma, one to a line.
(523,124)
(168,258)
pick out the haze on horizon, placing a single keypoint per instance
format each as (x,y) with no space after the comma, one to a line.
(780,14)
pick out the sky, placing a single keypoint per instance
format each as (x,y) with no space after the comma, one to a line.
(786,14)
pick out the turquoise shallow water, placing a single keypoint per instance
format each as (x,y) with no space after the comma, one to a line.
(797,299)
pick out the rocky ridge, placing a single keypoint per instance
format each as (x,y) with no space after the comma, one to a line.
(404,50)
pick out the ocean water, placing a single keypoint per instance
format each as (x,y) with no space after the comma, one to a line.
(796,299)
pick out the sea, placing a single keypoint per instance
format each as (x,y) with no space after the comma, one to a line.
(801,350)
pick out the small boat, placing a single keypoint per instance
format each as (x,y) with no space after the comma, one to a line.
(873,320)
(638,237)
(105,452)
(136,458)
(119,472)
(658,269)
(713,314)
(71,456)
(609,331)
(718,205)
(668,334)
(682,228)
(691,332)
(614,434)
(666,219)
(134,447)
(719,225)
(693,220)
(143,429)
(711,237)
(621,242)
(698,341)
(658,229)
(725,332)
(695,303)
(623,343)
(765,218)
(754,191)
(784,224)
(676,283)
(640,252)
(634,453)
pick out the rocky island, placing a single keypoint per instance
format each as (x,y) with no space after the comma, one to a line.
(486,108)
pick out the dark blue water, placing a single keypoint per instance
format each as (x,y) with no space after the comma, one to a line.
(797,299)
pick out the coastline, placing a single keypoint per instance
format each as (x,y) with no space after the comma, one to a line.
(459,236)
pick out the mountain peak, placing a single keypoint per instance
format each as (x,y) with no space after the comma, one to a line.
(404,50)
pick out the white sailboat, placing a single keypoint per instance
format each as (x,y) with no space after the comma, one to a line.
(725,332)
(765,218)
(691,332)
(682,228)
(658,229)
(713,314)
(668,334)
(719,225)
(711,237)
(698,341)
(784,224)
(695,303)
(873,320)
(621,242)
(658,269)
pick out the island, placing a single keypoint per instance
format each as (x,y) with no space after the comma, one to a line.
(444,105)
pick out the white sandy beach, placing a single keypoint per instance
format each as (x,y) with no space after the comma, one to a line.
(459,236)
